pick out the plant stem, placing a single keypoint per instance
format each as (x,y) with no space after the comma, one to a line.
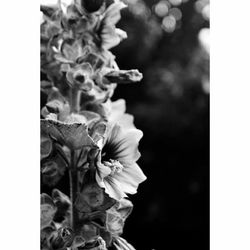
(73,181)
(75,100)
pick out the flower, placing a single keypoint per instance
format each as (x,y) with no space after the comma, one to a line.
(117,170)
(80,77)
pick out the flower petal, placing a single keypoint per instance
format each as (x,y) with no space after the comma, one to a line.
(113,188)
(130,178)
(103,171)
(123,144)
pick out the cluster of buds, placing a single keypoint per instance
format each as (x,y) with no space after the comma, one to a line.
(83,132)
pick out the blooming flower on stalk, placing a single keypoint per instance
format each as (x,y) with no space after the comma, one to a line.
(117,170)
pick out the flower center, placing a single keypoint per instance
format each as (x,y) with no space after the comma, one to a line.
(80,78)
(114,165)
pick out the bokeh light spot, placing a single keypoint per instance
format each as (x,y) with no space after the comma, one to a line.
(161,8)
(176,13)
(200,4)
(203,37)
(206,12)
(169,23)
(175,2)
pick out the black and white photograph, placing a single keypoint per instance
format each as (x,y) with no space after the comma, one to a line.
(125,124)
(115,141)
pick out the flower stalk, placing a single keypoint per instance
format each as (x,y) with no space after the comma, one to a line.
(75,100)
(73,182)
(96,144)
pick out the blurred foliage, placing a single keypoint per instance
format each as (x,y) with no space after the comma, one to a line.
(171,106)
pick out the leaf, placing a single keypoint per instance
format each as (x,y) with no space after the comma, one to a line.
(74,135)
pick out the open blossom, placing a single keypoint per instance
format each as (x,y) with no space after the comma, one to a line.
(117,170)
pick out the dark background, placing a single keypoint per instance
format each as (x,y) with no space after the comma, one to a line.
(171,107)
